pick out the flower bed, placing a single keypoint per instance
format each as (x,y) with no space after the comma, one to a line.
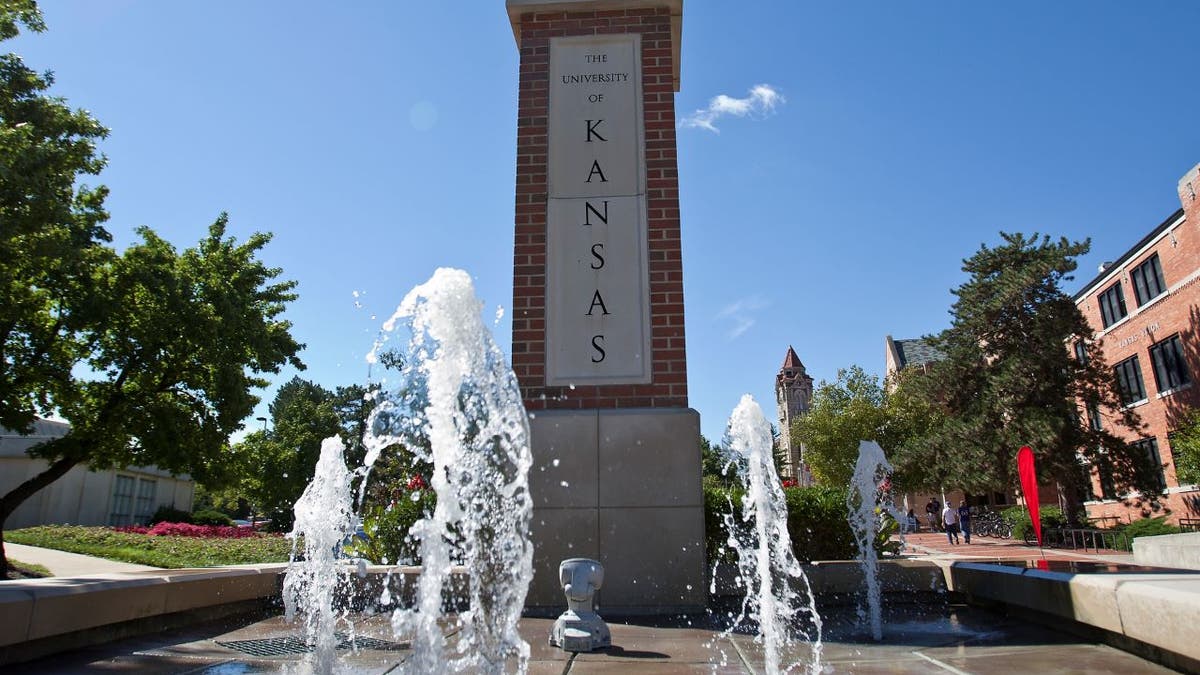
(189,530)
(167,550)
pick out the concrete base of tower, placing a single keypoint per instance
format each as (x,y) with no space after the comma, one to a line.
(621,487)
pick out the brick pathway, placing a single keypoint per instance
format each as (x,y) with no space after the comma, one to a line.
(934,544)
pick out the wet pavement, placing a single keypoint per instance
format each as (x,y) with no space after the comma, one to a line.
(955,639)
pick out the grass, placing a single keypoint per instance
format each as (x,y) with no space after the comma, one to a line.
(168,552)
(24,570)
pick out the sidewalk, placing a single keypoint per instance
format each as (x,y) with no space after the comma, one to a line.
(63,564)
(935,545)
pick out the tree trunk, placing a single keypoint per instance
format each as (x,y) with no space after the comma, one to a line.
(1071,504)
(15,497)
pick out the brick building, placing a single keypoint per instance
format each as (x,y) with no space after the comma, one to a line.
(1144,308)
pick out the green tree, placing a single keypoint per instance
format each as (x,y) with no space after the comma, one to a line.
(165,370)
(277,463)
(842,413)
(151,354)
(714,466)
(52,242)
(912,412)
(1185,447)
(1008,379)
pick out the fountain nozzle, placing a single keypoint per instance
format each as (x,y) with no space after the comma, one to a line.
(580,628)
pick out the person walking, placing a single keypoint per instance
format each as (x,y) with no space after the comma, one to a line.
(950,522)
(964,520)
(932,510)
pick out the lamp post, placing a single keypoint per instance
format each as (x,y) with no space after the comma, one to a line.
(264,421)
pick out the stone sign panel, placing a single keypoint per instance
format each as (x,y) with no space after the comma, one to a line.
(597,305)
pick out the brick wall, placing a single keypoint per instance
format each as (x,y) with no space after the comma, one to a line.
(669,384)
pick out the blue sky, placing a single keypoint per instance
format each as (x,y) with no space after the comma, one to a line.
(376,140)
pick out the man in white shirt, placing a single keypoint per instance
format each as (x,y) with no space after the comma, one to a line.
(950,520)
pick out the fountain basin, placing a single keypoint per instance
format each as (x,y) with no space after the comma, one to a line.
(39,617)
(837,582)
(1150,612)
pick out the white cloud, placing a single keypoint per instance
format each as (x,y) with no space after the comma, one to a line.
(760,102)
(740,312)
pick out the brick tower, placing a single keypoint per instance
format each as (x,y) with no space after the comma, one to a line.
(598,343)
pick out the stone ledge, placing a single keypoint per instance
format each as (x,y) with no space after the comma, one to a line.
(1180,551)
(1160,610)
(35,609)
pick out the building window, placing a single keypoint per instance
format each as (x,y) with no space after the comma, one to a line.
(1094,421)
(1112,305)
(1170,370)
(1081,352)
(122,501)
(1129,380)
(1154,464)
(1108,487)
(1148,280)
(1088,489)
(144,508)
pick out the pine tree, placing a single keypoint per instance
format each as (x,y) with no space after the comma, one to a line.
(1009,378)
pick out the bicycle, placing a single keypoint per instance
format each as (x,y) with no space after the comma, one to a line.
(990,524)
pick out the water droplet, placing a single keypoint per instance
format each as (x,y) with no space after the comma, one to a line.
(555,462)
(572,386)
(565,484)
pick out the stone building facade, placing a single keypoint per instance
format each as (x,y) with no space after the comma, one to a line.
(1145,309)
(793,396)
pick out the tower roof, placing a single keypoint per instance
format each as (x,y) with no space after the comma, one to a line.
(791,361)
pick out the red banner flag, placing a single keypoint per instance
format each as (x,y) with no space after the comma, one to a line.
(1030,488)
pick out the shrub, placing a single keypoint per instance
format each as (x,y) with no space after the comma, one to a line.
(1146,527)
(817,523)
(718,500)
(170,514)
(386,528)
(210,517)
(1017,517)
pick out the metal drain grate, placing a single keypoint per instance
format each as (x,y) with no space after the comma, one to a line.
(291,645)
(370,643)
(280,646)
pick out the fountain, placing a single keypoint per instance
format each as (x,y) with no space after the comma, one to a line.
(468,407)
(869,494)
(324,518)
(778,595)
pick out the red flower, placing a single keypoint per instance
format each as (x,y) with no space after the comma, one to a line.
(417,483)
